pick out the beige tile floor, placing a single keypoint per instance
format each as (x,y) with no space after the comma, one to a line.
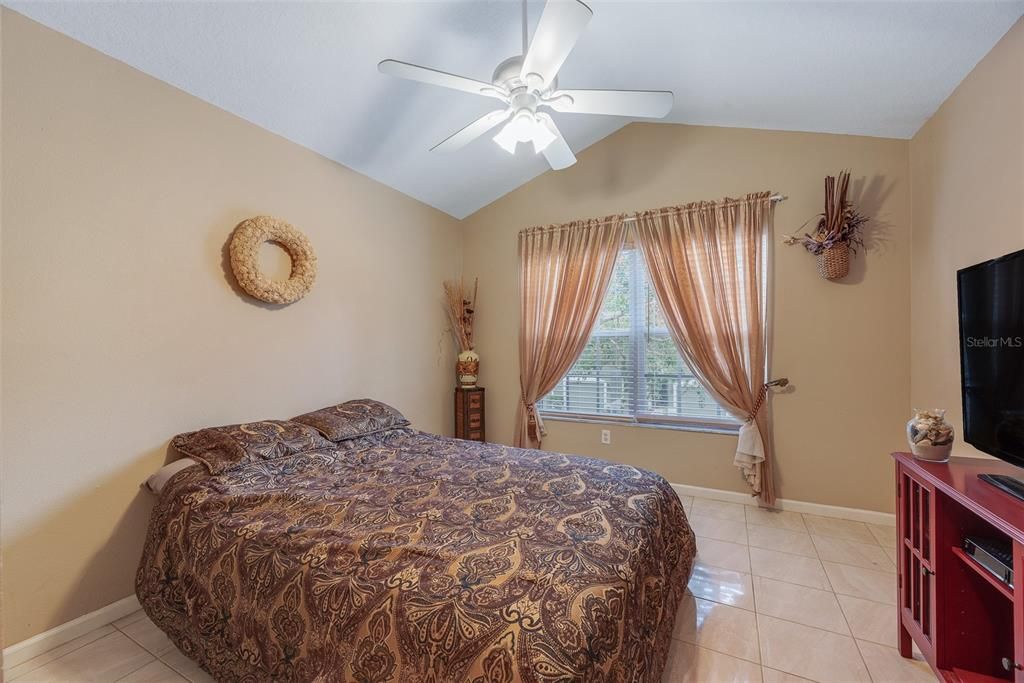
(777,597)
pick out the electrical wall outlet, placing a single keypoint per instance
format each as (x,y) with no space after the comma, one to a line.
(606,436)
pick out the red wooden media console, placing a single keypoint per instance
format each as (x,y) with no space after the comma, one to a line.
(968,624)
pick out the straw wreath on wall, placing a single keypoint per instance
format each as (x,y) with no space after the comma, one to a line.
(246,241)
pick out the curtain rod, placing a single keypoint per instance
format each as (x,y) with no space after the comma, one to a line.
(775,199)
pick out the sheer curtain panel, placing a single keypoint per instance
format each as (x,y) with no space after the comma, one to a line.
(563,275)
(708,264)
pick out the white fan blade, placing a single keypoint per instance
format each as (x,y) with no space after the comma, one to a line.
(559,28)
(425,74)
(647,104)
(471,132)
(558,153)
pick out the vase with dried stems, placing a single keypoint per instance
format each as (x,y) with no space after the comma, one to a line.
(460,309)
(839,231)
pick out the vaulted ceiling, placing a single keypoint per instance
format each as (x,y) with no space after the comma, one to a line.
(308,71)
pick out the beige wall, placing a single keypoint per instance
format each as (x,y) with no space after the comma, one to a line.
(843,345)
(967,168)
(120,328)
(2,638)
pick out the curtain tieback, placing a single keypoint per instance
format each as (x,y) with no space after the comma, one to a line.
(762,394)
(534,423)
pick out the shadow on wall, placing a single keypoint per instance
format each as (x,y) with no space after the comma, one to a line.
(868,197)
(109,574)
(777,473)
(618,177)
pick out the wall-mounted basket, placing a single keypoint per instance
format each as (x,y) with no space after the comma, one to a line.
(840,228)
(834,262)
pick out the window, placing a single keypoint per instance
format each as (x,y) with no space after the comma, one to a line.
(630,370)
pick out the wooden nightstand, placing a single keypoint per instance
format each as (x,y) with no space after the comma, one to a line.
(469,413)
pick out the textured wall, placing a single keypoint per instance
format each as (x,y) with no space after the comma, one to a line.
(843,345)
(967,167)
(121,327)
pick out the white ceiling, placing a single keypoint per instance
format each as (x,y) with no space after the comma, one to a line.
(307,71)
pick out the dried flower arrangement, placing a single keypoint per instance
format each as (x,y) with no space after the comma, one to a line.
(840,229)
(460,311)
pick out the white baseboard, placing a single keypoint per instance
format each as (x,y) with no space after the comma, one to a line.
(38,644)
(855,514)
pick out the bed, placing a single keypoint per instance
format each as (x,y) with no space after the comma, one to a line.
(398,555)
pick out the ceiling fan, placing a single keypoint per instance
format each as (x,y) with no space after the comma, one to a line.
(527,83)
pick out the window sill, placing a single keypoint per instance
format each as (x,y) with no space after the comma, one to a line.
(703,428)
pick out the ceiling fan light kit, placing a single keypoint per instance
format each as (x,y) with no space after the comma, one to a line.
(525,126)
(529,82)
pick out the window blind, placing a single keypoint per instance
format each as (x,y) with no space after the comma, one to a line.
(630,368)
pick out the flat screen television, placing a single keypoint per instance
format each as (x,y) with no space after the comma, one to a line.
(991,303)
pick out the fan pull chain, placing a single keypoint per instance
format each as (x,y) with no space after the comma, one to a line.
(526,42)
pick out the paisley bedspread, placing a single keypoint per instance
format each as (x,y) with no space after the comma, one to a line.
(406,556)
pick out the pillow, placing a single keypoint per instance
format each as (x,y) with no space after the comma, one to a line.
(353,419)
(221,448)
(159,479)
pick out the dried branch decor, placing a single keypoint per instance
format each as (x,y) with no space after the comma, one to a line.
(840,229)
(246,241)
(460,312)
